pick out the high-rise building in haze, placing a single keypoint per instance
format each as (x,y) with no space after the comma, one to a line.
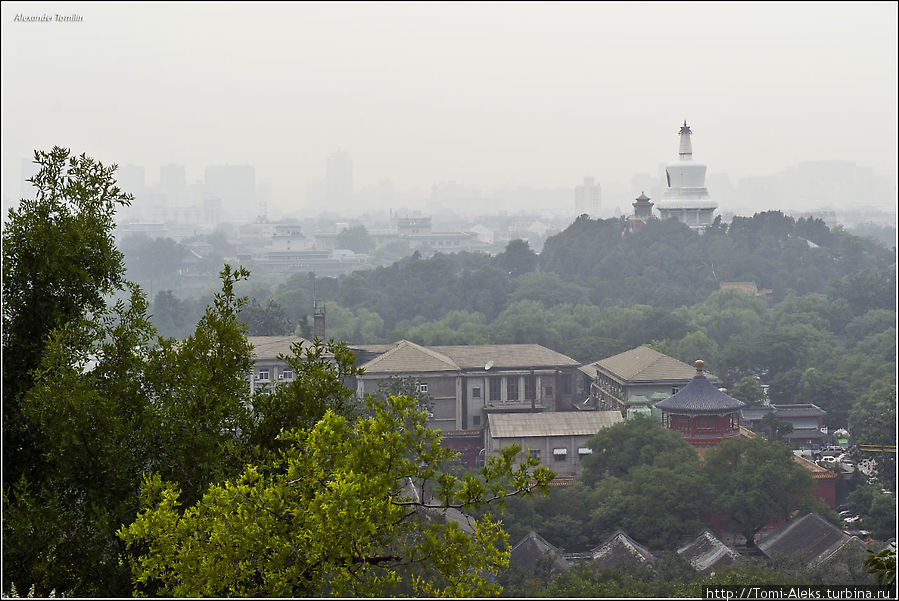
(173,184)
(587,197)
(131,179)
(686,197)
(339,180)
(235,186)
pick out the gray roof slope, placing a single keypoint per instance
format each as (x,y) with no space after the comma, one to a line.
(798,410)
(504,356)
(810,538)
(531,549)
(707,551)
(269,347)
(551,423)
(621,549)
(700,396)
(408,357)
(645,364)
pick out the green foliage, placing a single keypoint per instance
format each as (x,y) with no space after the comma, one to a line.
(321,372)
(152,261)
(621,448)
(748,390)
(517,259)
(883,565)
(270,320)
(332,515)
(877,510)
(356,239)
(752,482)
(59,260)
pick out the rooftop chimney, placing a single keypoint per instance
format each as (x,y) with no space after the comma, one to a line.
(318,322)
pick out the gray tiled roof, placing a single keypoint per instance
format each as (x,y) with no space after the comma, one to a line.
(643,364)
(552,423)
(531,549)
(408,357)
(620,549)
(706,552)
(810,538)
(504,356)
(700,396)
(798,410)
(269,347)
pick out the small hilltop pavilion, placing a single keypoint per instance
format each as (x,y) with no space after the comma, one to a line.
(701,413)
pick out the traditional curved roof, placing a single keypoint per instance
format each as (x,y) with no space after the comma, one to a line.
(699,396)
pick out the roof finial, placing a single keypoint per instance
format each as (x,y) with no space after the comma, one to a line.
(699,365)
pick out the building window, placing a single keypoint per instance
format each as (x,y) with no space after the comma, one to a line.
(512,388)
(549,391)
(422,387)
(288,374)
(584,451)
(495,389)
(560,454)
(535,453)
(674,389)
(476,392)
(476,420)
(530,388)
(263,374)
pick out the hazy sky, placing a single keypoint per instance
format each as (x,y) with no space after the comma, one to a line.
(489,95)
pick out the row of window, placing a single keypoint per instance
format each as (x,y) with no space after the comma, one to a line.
(561,453)
(263,375)
(494,388)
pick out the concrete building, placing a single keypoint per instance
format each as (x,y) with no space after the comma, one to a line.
(630,381)
(268,369)
(235,187)
(686,197)
(587,198)
(558,439)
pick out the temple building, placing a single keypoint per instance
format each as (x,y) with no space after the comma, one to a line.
(701,413)
(686,197)
(642,212)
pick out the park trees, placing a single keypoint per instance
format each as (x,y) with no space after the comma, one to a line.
(338,512)
(752,481)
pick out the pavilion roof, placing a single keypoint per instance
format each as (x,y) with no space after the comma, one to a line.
(700,396)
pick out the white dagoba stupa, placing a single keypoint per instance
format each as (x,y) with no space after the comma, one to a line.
(686,197)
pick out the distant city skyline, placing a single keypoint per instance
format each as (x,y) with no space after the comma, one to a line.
(489,96)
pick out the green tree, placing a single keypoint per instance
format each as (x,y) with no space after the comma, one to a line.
(334,514)
(752,481)
(356,239)
(270,320)
(59,260)
(748,390)
(623,447)
(517,259)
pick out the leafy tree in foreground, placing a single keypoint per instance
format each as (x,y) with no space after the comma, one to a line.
(59,259)
(334,515)
(753,481)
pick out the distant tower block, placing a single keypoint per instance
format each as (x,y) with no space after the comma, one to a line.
(318,322)
(587,197)
(686,197)
(642,212)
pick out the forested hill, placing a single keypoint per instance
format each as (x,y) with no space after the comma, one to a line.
(667,265)
(825,336)
(664,265)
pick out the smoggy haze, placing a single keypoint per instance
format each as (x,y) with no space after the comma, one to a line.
(490,96)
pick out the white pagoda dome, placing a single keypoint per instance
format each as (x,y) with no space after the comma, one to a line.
(686,197)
